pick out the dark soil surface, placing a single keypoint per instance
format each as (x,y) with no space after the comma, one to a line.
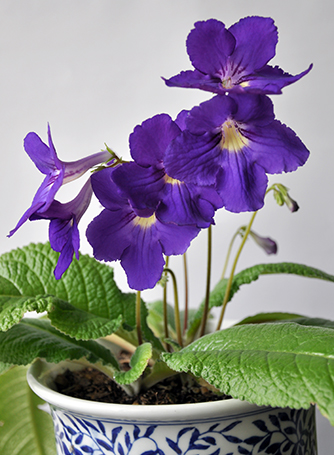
(90,384)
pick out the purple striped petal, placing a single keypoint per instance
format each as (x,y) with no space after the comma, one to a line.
(234,60)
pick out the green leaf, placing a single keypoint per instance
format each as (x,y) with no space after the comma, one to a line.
(33,338)
(287,317)
(4,367)
(138,363)
(24,428)
(260,318)
(315,322)
(86,303)
(283,364)
(252,274)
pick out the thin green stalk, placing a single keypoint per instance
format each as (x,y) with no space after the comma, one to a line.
(186,293)
(138,321)
(208,280)
(229,254)
(165,312)
(229,283)
(176,308)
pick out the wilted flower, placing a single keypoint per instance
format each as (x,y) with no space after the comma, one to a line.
(234,59)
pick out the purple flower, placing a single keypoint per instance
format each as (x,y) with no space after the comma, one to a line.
(57,172)
(147,185)
(63,229)
(120,232)
(233,141)
(234,59)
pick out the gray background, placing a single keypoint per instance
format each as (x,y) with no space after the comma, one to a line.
(92,68)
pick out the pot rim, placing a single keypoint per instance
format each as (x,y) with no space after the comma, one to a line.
(39,377)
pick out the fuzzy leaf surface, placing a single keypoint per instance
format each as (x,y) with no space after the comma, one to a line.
(138,363)
(24,428)
(269,317)
(280,364)
(251,274)
(33,338)
(86,303)
(287,317)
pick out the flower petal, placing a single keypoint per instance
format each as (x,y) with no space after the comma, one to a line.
(63,228)
(106,190)
(41,202)
(64,237)
(142,185)
(209,45)
(110,233)
(25,217)
(256,39)
(194,159)
(210,115)
(143,261)
(175,239)
(44,157)
(196,79)
(75,169)
(255,109)
(277,148)
(149,141)
(241,183)
(188,204)
(272,79)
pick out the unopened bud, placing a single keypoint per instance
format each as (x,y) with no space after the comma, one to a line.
(282,196)
(291,204)
(266,243)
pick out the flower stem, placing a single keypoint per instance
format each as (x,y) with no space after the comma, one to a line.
(138,321)
(186,293)
(176,308)
(208,279)
(165,313)
(229,283)
(229,254)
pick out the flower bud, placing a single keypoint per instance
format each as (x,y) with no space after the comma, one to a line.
(282,196)
(266,243)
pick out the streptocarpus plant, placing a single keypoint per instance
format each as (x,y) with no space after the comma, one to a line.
(215,156)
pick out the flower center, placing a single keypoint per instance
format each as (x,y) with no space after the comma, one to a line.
(144,223)
(227,83)
(171,180)
(232,139)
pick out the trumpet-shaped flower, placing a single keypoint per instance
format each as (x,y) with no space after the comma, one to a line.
(120,232)
(234,141)
(63,229)
(57,172)
(234,59)
(148,187)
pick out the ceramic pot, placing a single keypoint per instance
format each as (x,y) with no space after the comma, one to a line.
(217,428)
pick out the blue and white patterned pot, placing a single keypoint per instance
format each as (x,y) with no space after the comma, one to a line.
(227,427)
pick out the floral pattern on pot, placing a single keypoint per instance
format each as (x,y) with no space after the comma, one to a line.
(261,431)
